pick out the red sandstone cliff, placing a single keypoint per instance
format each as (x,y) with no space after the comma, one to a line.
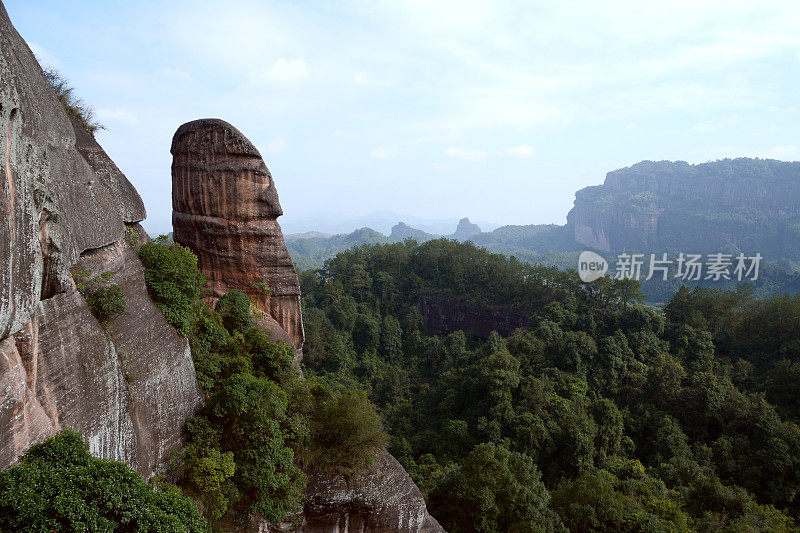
(128,386)
(225,207)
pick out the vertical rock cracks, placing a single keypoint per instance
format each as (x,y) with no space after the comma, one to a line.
(127,385)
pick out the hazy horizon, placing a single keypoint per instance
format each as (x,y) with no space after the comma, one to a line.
(496,111)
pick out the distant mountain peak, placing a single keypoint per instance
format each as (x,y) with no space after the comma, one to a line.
(466,230)
(402,231)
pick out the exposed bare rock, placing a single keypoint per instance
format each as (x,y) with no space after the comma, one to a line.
(23,420)
(225,207)
(53,205)
(128,386)
(445,314)
(385,501)
(749,204)
(154,360)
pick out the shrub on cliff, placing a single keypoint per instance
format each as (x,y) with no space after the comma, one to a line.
(260,416)
(59,486)
(104,299)
(345,430)
(74,106)
(234,308)
(246,417)
(174,281)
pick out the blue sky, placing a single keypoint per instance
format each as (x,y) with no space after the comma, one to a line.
(494,110)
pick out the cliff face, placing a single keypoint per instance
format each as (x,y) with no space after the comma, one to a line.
(225,207)
(129,385)
(751,204)
(444,315)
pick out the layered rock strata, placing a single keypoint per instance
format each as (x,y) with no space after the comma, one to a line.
(444,315)
(128,385)
(225,209)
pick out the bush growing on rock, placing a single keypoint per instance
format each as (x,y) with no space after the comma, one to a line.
(174,281)
(346,431)
(74,106)
(260,421)
(104,299)
(234,308)
(59,486)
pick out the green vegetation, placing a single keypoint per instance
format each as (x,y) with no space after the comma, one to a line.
(175,283)
(262,429)
(494,490)
(312,251)
(74,106)
(601,415)
(104,299)
(59,486)
(345,430)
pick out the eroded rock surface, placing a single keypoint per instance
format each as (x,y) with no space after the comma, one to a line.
(385,501)
(444,315)
(129,385)
(225,209)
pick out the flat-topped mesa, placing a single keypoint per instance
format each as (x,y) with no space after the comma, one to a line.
(225,207)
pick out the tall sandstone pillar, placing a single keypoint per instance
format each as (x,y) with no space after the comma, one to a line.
(225,209)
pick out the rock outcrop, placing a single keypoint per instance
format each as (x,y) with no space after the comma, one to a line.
(444,315)
(402,231)
(386,501)
(465,230)
(129,385)
(225,209)
(749,204)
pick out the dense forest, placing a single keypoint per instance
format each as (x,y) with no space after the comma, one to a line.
(259,436)
(603,414)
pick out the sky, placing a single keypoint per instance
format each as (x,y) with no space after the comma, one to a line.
(494,110)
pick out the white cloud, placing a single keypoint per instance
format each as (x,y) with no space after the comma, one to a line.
(283,71)
(465,153)
(278,145)
(522,150)
(383,152)
(117,115)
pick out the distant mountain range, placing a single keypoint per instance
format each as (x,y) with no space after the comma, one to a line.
(731,206)
(381,221)
(312,248)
